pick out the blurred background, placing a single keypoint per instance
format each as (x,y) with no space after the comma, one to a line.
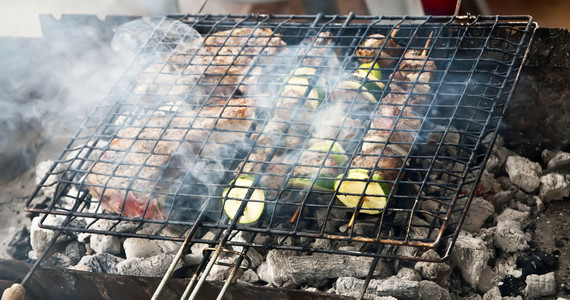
(20,17)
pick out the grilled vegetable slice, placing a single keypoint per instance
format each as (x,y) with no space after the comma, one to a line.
(300,81)
(325,180)
(374,197)
(321,184)
(255,205)
(375,71)
(337,152)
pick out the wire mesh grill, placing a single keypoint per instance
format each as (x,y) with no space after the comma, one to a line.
(285,104)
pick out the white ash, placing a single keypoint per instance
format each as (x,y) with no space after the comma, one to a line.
(136,247)
(154,266)
(524,173)
(488,280)
(493,294)
(408,274)
(470,255)
(479,210)
(558,159)
(431,270)
(41,237)
(430,290)
(509,235)
(249,276)
(540,285)
(554,186)
(197,250)
(102,243)
(101,263)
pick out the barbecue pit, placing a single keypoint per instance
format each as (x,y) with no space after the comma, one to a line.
(478,60)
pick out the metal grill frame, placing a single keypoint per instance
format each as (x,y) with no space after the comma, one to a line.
(501,44)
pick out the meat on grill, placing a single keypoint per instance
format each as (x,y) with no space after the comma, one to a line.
(371,48)
(214,69)
(135,168)
(395,124)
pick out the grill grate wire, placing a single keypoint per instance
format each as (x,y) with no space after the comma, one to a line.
(478,60)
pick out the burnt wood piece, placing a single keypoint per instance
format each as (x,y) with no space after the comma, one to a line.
(55,283)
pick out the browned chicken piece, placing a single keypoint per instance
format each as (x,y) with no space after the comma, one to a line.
(310,162)
(215,69)
(131,174)
(317,51)
(369,48)
(415,68)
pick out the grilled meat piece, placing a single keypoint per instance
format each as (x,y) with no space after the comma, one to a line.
(414,68)
(368,51)
(134,172)
(215,69)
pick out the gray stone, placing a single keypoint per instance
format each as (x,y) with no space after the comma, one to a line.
(409,274)
(540,285)
(101,263)
(493,294)
(430,270)
(154,266)
(523,173)
(479,210)
(554,186)
(470,255)
(429,290)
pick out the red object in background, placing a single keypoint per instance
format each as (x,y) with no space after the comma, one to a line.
(439,7)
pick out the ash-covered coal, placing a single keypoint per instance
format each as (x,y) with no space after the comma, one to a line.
(483,263)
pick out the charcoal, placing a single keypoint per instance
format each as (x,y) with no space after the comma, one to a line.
(429,290)
(470,255)
(154,266)
(547,155)
(50,184)
(40,237)
(501,199)
(389,287)
(59,260)
(101,263)
(497,158)
(493,294)
(278,270)
(314,268)
(135,247)
(102,243)
(554,186)
(249,276)
(75,251)
(523,173)
(487,280)
(559,161)
(401,289)
(220,272)
(540,285)
(510,237)
(20,246)
(408,274)
(430,270)
(479,210)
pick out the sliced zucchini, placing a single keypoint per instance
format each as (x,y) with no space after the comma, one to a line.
(255,205)
(297,87)
(321,184)
(336,149)
(374,199)
(355,86)
(375,71)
